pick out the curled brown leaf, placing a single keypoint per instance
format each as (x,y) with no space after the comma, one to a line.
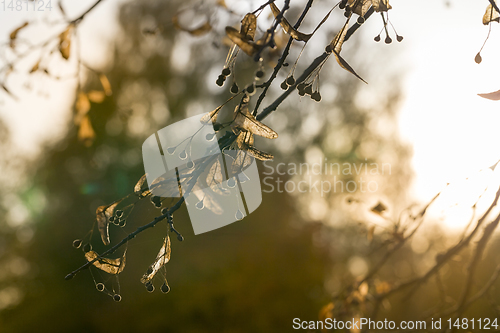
(111,266)
(294,33)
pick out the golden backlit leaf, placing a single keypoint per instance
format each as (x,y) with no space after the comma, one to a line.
(294,33)
(198,31)
(65,42)
(103,213)
(245,121)
(381,5)
(379,208)
(13,34)
(222,3)
(140,183)
(111,266)
(247,46)
(105,84)
(346,66)
(491,15)
(494,96)
(96,96)
(162,258)
(249,26)
(211,117)
(82,107)
(338,41)
(86,133)
(209,202)
(215,177)
(361,7)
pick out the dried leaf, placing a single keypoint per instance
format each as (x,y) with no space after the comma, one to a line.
(294,33)
(361,7)
(162,258)
(198,31)
(138,186)
(65,42)
(103,213)
(245,121)
(111,266)
(82,107)
(86,133)
(209,202)
(490,15)
(249,26)
(338,41)
(13,34)
(96,96)
(379,208)
(494,96)
(211,117)
(105,85)
(346,66)
(381,5)
(247,46)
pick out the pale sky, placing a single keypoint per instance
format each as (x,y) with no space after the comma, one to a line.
(453,132)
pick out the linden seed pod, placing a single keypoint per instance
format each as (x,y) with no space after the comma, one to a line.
(284,85)
(361,20)
(150,288)
(87,247)
(100,286)
(180,238)
(119,213)
(77,243)
(117,298)
(399,38)
(388,40)
(377,38)
(259,74)
(226,72)
(165,288)
(290,81)
(250,89)
(234,88)
(309,89)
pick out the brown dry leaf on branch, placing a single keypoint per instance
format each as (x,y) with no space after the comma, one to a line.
(360,6)
(65,42)
(103,213)
(491,15)
(346,66)
(244,38)
(35,67)
(111,266)
(381,5)
(198,31)
(294,33)
(245,126)
(13,34)
(494,96)
(162,258)
(140,183)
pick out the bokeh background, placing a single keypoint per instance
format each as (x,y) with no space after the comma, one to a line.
(299,251)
